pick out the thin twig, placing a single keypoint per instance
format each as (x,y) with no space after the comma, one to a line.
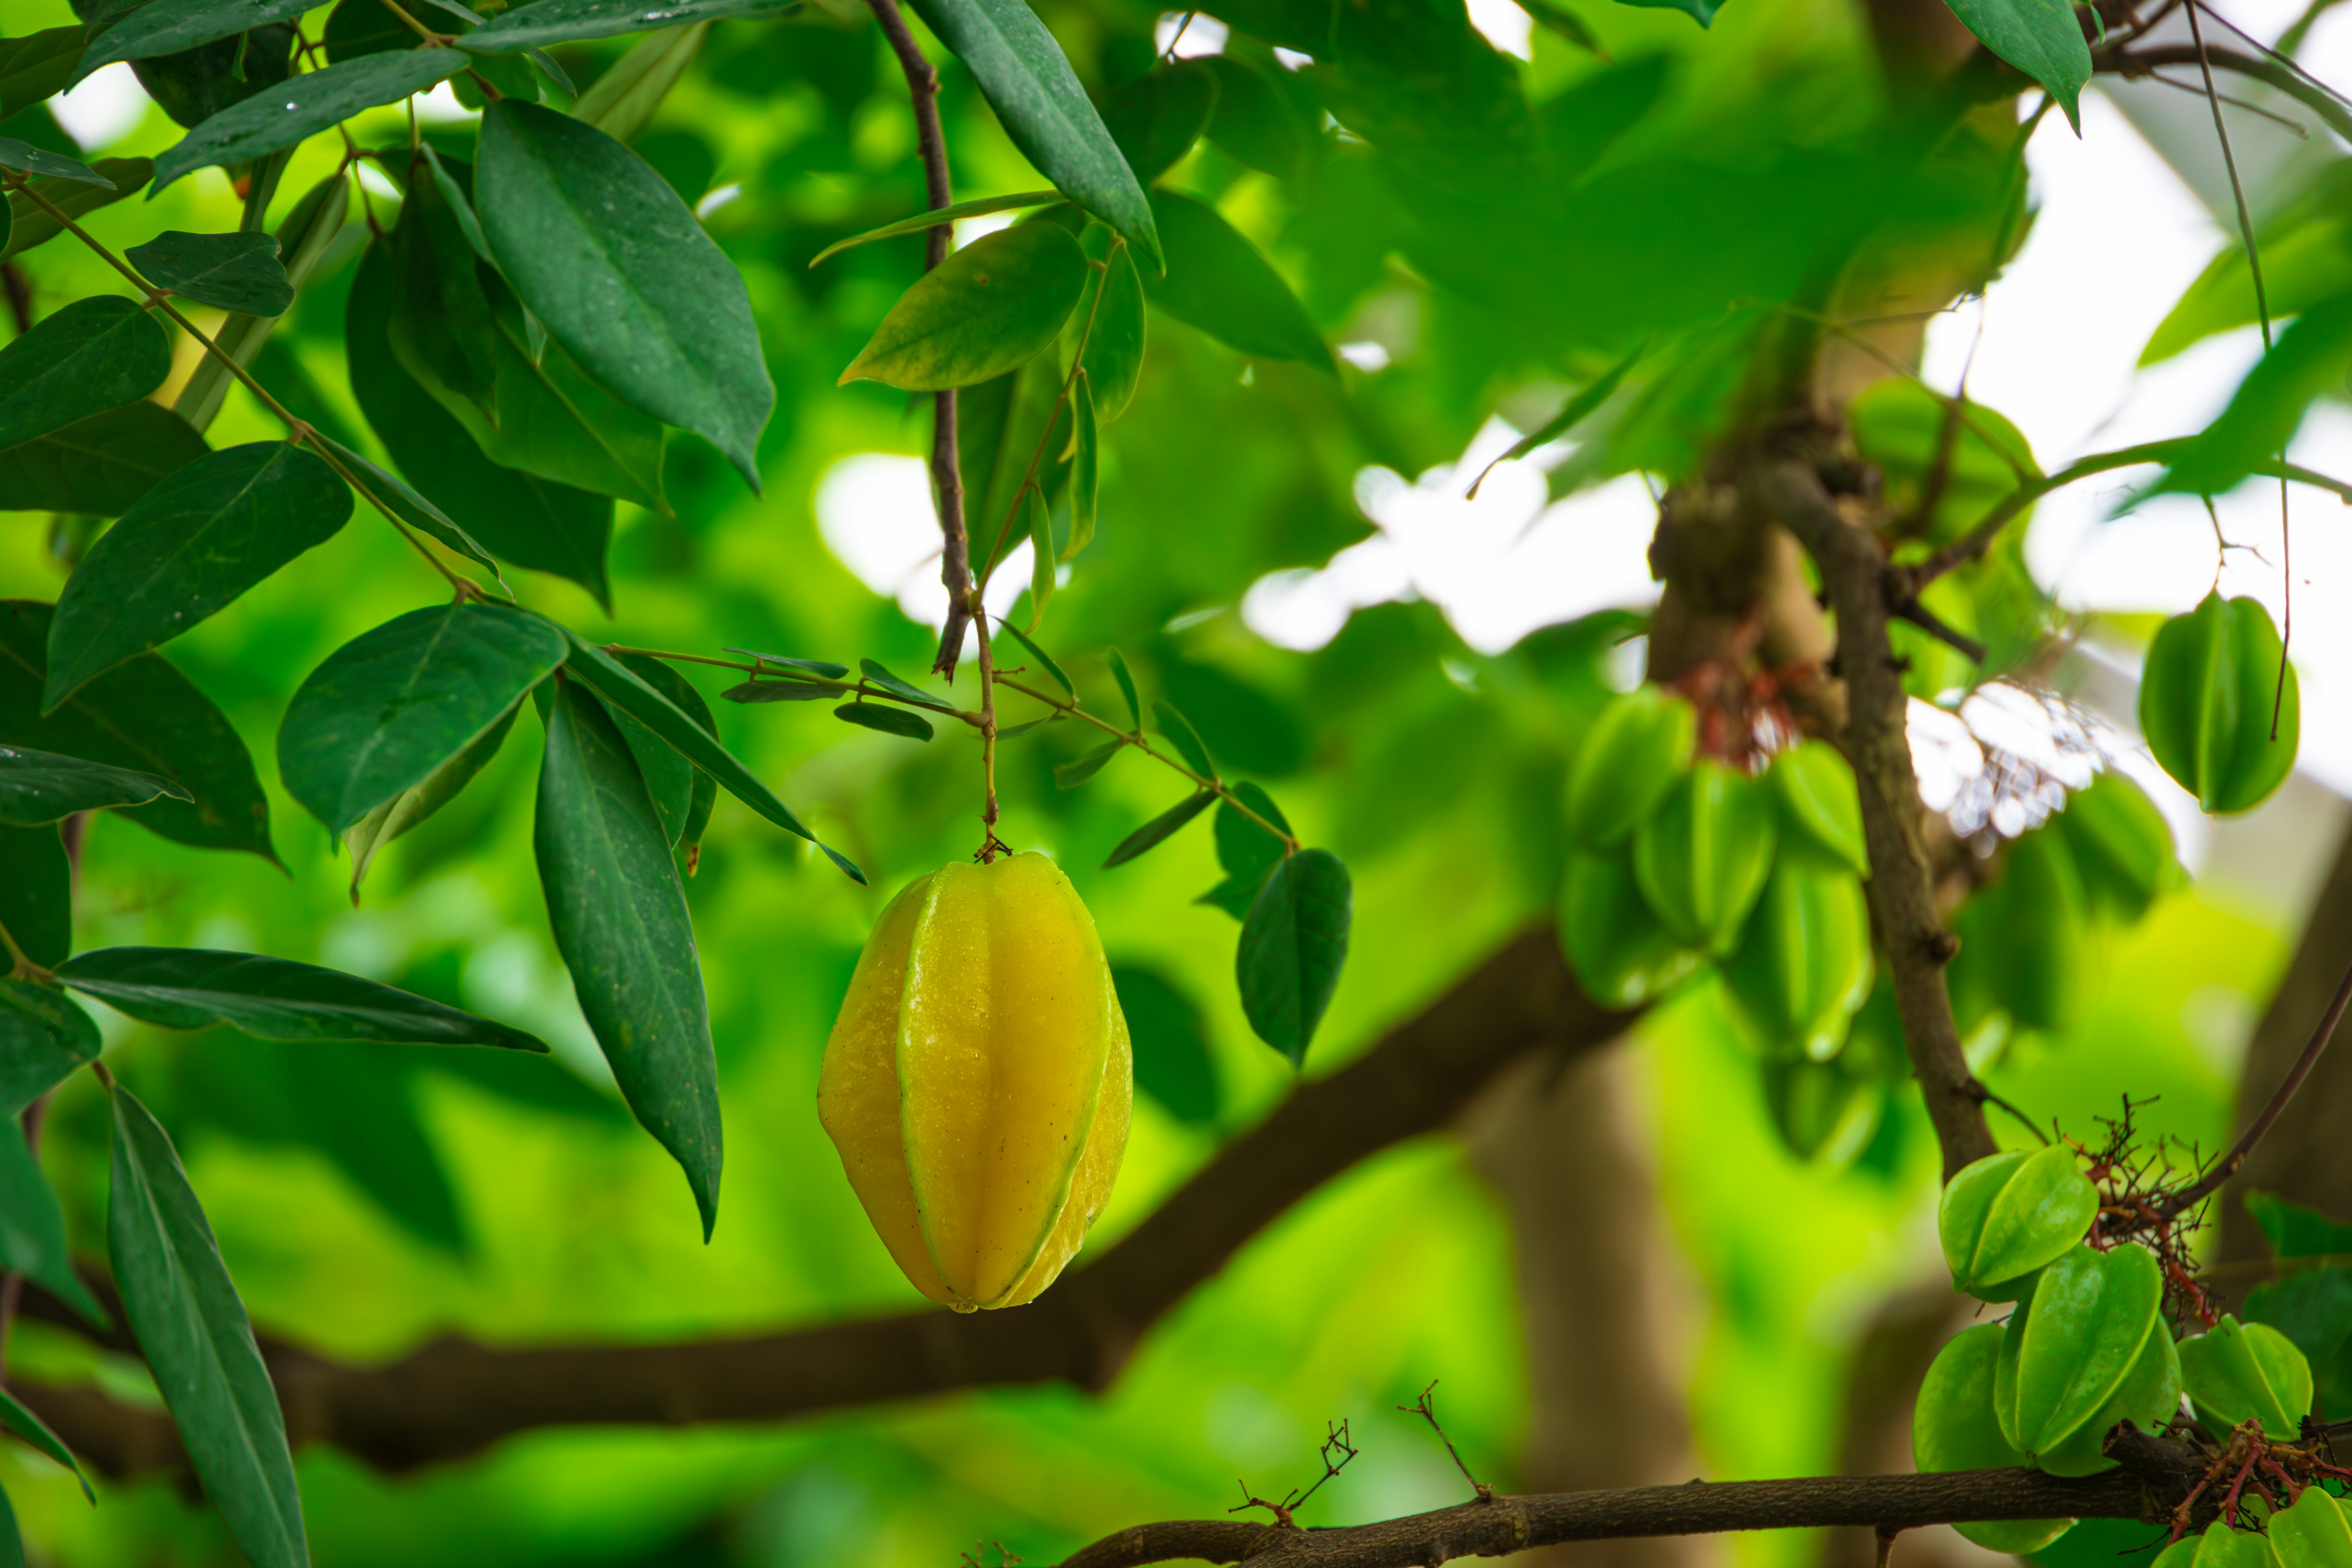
(862,690)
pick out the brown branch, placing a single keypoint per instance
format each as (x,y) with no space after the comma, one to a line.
(454,1397)
(2227,1166)
(947,473)
(2147,60)
(1863,591)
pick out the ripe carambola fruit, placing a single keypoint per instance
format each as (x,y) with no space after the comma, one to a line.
(1953,1429)
(2206,698)
(1702,856)
(979,1080)
(2005,1217)
(1631,756)
(2087,1350)
(1622,954)
(2238,1372)
(1803,964)
(2312,1531)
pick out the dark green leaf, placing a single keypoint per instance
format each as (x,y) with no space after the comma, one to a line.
(779,691)
(622,102)
(391,706)
(1041,555)
(192,1330)
(275,998)
(35,895)
(1185,738)
(190,546)
(2313,1307)
(395,816)
(92,356)
(1151,833)
(233,271)
(889,721)
(1029,83)
(533,522)
(414,510)
(1043,658)
(604,253)
(898,688)
(1172,1044)
(976,208)
(564,21)
(1700,11)
(1155,118)
(1085,469)
(2264,412)
(672,781)
(1071,774)
(1293,946)
(168,27)
(38,787)
(1258,121)
(1232,895)
(45,1038)
(1026,725)
(1118,671)
(33,1244)
(191,86)
(1218,282)
(1245,848)
(12,1538)
(627,693)
(2039,37)
(1114,339)
(27,158)
(621,922)
(35,1431)
(143,714)
(33,66)
(1558,18)
(830,672)
(29,225)
(302,106)
(992,306)
(357,27)
(101,466)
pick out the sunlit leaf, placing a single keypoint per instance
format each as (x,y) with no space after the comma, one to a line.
(1218,282)
(987,307)
(2039,37)
(977,207)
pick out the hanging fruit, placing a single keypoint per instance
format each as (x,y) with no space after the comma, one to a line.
(2206,703)
(1634,752)
(2312,1531)
(1953,1429)
(2087,1350)
(2022,940)
(979,1081)
(1819,801)
(2121,845)
(1622,954)
(2237,1372)
(1803,964)
(1824,1112)
(2006,1217)
(1702,856)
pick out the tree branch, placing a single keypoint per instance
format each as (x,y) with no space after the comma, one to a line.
(454,1397)
(947,473)
(2138,62)
(1863,591)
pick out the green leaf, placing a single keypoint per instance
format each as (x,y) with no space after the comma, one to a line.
(192,1330)
(1158,117)
(170,26)
(414,510)
(2039,37)
(33,1244)
(101,466)
(1113,360)
(29,225)
(404,811)
(606,255)
(786,690)
(898,688)
(990,307)
(1700,11)
(613,681)
(685,794)
(1043,658)
(1172,1064)
(2307,361)
(1245,848)
(390,707)
(35,66)
(1085,469)
(27,158)
(143,714)
(233,271)
(1041,555)
(193,85)
(1119,670)
(622,102)
(275,998)
(1293,946)
(566,21)
(305,235)
(190,546)
(889,721)
(1258,121)
(1571,414)
(976,208)
(1218,282)
(1152,833)
(1037,99)
(93,355)
(45,1038)
(37,893)
(621,922)
(1186,740)
(38,787)
(35,1431)
(817,667)
(533,522)
(302,106)
(1071,774)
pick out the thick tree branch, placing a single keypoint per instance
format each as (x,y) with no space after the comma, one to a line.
(947,472)
(454,1397)
(1862,590)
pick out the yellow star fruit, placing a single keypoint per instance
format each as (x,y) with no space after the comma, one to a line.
(979,1081)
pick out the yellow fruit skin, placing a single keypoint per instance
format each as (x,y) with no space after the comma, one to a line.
(979,1081)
